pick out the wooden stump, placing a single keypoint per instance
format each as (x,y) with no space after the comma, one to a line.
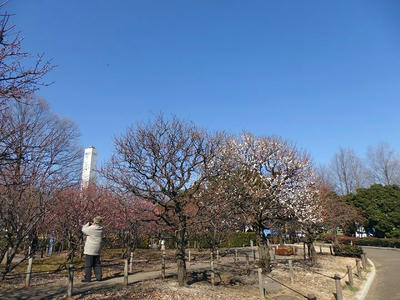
(29,272)
(339,295)
(126,273)
(350,275)
(70,281)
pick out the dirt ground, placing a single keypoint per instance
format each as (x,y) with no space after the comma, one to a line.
(232,280)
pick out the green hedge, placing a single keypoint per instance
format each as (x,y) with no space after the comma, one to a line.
(238,239)
(395,234)
(378,242)
(144,243)
(232,239)
(342,239)
(348,251)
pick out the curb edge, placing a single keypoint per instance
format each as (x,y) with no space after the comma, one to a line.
(365,288)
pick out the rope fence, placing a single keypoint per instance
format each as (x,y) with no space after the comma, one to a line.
(336,277)
(237,260)
(288,287)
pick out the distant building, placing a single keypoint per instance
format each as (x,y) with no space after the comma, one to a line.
(360,232)
(89,166)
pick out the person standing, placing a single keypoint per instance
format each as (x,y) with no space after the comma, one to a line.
(94,233)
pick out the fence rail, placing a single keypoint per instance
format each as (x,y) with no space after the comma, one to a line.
(240,257)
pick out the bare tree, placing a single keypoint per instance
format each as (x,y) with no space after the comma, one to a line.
(383,164)
(217,214)
(348,171)
(336,212)
(165,162)
(325,176)
(39,155)
(21,73)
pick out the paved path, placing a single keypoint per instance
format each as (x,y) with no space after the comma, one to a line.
(386,285)
(49,292)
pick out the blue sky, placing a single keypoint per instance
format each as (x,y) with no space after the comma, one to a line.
(324,74)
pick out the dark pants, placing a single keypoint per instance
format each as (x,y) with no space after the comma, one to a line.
(92,261)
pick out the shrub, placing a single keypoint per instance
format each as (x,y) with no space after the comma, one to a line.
(348,251)
(229,240)
(238,239)
(378,242)
(143,243)
(273,239)
(395,234)
(343,239)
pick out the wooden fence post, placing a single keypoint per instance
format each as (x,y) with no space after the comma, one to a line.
(247,264)
(131,263)
(350,275)
(330,250)
(304,251)
(364,261)
(236,255)
(29,272)
(163,265)
(273,253)
(254,254)
(189,256)
(260,283)
(291,271)
(251,244)
(217,255)
(320,249)
(126,273)
(339,295)
(358,267)
(212,268)
(70,280)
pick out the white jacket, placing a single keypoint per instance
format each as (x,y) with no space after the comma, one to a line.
(93,240)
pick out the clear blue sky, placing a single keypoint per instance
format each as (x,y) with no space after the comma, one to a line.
(323,74)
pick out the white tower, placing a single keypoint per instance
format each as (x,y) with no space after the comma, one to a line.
(89,166)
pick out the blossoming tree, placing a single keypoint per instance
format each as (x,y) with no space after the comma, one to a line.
(270,181)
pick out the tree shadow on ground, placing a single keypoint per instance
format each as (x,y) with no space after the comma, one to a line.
(197,277)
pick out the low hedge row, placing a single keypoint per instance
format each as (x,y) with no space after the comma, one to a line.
(378,242)
(348,251)
(231,239)
(238,239)
(342,239)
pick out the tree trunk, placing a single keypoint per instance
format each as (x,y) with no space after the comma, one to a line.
(335,238)
(281,238)
(311,252)
(11,252)
(263,251)
(214,242)
(180,256)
